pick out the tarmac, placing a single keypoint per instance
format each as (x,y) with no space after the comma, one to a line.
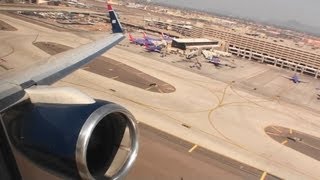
(115,70)
(222,114)
(163,156)
(299,141)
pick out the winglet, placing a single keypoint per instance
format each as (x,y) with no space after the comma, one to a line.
(116,25)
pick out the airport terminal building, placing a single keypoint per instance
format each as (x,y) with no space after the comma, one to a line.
(280,55)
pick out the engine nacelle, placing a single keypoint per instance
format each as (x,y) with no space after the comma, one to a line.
(86,140)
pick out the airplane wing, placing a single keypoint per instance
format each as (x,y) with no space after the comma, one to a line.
(46,72)
(65,131)
(53,69)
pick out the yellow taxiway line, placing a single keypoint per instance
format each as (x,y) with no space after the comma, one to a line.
(193,148)
(263,176)
(148,88)
(284,142)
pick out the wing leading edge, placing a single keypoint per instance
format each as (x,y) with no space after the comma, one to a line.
(56,67)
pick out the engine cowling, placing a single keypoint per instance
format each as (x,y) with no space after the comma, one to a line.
(87,140)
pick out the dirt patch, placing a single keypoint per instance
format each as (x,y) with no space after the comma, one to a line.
(51,47)
(6,27)
(113,69)
(299,141)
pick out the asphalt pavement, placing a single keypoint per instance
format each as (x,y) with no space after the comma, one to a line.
(163,156)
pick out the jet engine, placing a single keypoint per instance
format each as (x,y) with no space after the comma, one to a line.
(71,135)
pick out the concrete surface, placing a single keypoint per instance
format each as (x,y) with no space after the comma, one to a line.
(222,117)
(299,141)
(163,156)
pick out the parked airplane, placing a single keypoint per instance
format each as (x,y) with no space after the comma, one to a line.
(295,79)
(216,61)
(62,130)
(153,48)
(139,41)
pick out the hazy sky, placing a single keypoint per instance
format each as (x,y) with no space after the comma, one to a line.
(303,11)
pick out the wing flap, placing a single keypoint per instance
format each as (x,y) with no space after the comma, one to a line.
(9,94)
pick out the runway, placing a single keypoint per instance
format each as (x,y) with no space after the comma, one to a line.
(211,114)
(163,156)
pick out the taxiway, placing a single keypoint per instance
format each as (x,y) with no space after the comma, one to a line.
(218,116)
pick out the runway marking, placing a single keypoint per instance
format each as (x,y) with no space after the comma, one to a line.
(193,148)
(290,131)
(284,142)
(148,88)
(263,176)
(185,125)
(276,129)
(159,89)
(115,77)
(166,85)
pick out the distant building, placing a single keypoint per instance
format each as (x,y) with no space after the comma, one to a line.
(199,43)
(183,28)
(282,55)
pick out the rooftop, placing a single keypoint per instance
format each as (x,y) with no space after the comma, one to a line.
(194,40)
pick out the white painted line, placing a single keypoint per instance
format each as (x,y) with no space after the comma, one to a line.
(272,133)
(276,129)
